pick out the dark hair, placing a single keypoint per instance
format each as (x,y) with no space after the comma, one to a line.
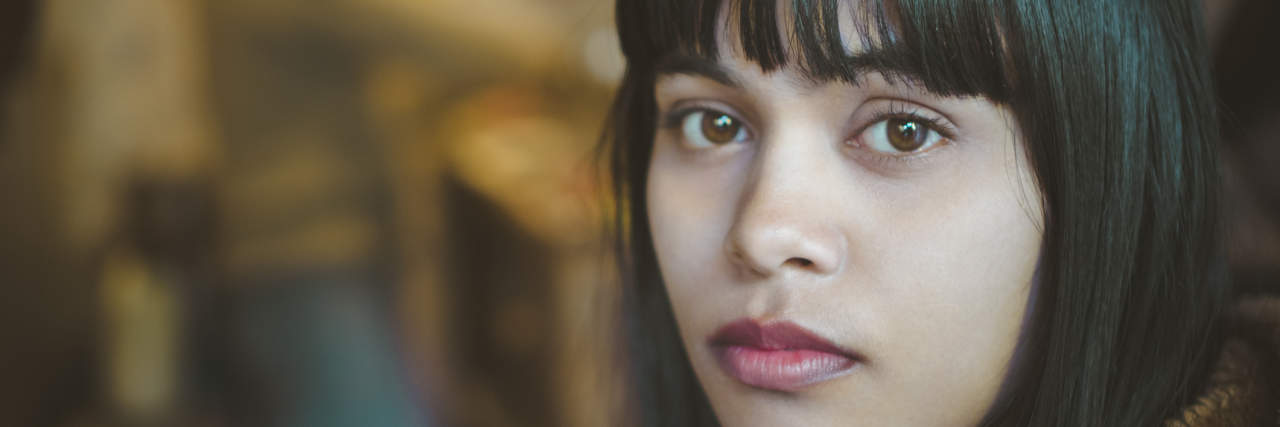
(1114,101)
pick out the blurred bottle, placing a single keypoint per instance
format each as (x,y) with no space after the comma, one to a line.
(150,275)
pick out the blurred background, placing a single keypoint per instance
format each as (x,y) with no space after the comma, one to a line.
(359,213)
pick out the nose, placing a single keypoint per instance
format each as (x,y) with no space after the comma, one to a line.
(782,225)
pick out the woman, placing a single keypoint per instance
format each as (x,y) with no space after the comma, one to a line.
(919,213)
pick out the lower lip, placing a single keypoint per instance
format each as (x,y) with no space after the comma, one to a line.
(781,370)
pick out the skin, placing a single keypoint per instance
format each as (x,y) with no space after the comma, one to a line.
(920,262)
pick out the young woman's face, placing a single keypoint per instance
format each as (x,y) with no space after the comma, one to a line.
(840,254)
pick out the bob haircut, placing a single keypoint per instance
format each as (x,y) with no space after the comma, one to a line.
(1114,101)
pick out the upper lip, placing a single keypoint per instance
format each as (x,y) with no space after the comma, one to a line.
(775,335)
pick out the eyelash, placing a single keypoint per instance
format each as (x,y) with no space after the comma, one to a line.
(903,111)
(894,109)
(675,118)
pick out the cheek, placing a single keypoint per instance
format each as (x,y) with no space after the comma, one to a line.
(690,210)
(955,280)
(970,283)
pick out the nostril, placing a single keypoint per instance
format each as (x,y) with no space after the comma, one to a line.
(799,262)
(764,251)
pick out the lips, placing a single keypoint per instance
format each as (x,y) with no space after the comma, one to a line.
(778,356)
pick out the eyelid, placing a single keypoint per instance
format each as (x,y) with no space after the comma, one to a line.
(882,111)
(903,109)
(677,112)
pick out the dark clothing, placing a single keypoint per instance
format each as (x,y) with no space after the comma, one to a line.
(1244,387)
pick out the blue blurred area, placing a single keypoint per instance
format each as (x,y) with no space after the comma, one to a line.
(325,341)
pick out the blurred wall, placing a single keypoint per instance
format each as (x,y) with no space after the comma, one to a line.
(307,213)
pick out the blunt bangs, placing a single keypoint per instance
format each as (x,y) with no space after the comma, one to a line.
(951,48)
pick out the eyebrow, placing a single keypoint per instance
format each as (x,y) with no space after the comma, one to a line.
(698,66)
(874,61)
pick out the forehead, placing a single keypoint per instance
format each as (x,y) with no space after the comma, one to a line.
(779,42)
(733,34)
(759,24)
(950,47)
(808,42)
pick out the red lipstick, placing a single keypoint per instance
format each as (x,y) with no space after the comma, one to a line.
(780,356)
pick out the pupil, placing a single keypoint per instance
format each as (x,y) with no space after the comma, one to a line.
(723,122)
(720,128)
(905,135)
(908,129)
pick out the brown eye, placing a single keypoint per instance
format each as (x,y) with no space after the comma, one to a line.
(719,128)
(709,128)
(900,136)
(906,135)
